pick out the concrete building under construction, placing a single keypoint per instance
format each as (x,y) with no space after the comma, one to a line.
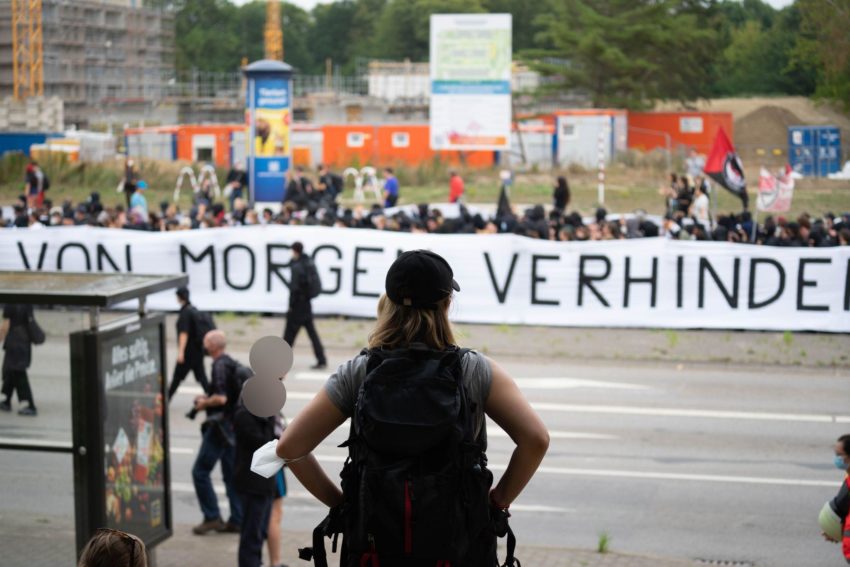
(99,56)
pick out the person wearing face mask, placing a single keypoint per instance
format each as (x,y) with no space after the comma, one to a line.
(840,505)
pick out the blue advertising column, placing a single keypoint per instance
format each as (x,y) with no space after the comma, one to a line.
(268,117)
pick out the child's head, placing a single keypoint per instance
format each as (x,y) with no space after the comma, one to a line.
(113,548)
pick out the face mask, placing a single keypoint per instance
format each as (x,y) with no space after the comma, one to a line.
(839,463)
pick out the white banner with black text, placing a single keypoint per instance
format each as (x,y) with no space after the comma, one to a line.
(649,282)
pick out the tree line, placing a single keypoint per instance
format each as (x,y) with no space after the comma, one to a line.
(626,53)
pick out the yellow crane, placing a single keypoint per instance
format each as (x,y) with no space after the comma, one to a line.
(27,49)
(273,33)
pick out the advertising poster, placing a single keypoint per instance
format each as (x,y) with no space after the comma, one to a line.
(269,121)
(133,432)
(470,81)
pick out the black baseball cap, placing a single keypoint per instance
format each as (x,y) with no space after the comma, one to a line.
(420,278)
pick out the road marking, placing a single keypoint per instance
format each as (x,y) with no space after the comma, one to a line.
(498,432)
(46,443)
(635,410)
(198,391)
(645,475)
(312,376)
(181,451)
(603,473)
(492,431)
(689,412)
(188,488)
(535,383)
(679,476)
(193,390)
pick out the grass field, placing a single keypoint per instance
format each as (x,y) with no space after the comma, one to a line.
(629,186)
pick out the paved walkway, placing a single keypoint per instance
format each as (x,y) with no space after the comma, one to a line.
(35,541)
(185,549)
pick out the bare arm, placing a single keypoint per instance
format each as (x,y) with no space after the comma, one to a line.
(182,340)
(511,411)
(314,423)
(4,329)
(204,402)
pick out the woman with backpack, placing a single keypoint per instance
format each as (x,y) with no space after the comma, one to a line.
(416,490)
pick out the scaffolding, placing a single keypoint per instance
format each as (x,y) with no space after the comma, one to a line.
(85,52)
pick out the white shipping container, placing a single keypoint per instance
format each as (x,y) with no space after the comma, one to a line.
(579,136)
(151,145)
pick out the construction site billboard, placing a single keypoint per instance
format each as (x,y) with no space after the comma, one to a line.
(470,81)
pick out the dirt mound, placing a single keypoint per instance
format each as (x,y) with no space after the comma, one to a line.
(807,110)
(764,129)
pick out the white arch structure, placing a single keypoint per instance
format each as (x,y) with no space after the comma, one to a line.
(207,172)
(365,179)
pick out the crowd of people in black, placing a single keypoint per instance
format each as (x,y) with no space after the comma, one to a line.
(306,202)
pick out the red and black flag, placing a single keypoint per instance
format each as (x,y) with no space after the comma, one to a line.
(724,166)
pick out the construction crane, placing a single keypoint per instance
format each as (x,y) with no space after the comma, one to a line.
(273,33)
(27,49)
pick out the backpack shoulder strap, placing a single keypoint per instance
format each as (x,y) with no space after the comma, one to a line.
(330,527)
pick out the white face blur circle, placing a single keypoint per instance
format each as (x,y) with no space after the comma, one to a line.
(263,397)
(271,357)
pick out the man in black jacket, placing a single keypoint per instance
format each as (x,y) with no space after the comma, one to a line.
(256,492)
(300,310)
(190,354)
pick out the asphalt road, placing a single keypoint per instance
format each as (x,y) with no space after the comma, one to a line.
(710,462)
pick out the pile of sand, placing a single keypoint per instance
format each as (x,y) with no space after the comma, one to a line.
(765,128)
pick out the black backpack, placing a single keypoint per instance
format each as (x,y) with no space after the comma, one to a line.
(415,483)
(204,323)
(314,283)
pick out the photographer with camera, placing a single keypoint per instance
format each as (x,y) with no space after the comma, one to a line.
(218,441)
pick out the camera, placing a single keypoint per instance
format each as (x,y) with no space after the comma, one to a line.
(192,413)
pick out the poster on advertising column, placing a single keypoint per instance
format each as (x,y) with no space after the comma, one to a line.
(470,81)
(268,119)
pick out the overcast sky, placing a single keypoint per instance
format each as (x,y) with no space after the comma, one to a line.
(308,4)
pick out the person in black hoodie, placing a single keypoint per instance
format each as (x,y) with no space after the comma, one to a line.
(17,344)
(561,194)
(256,492)
(300,312)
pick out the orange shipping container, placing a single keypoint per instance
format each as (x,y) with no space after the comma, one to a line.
(210,143)
(301,156)
(649,130)
(389,145)
(349,145)
(407,144)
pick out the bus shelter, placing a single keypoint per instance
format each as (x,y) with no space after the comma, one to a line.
(120,434)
